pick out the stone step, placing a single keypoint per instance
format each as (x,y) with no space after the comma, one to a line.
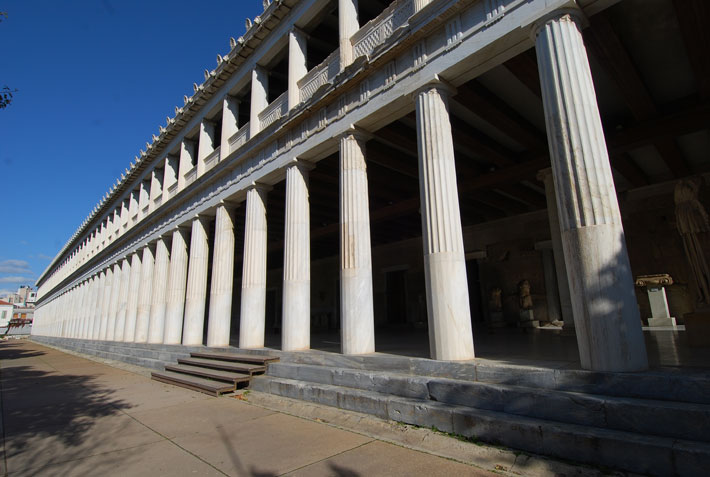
(613,448)
(248,369)
(661,418)
(667,384)
(208,373)
(207,386)
(240,358)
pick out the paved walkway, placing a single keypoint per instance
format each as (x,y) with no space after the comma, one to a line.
(64,414)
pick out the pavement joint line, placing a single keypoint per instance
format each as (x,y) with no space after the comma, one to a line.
(329,457)
(44,466)
(173,442)
(373,437)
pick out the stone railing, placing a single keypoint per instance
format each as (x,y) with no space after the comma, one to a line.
(172,189)
(191,175)
(158,200)
(320,75)
(212,159)
(239,138)
(377,30)
(274,111)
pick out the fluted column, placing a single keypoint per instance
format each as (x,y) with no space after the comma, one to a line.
(606,314)
(220,316)
(95,313)
(450,336)
(96,320)
(85,307)
(252,316)
(545,176)
(176,288)
(230,115)
(196,295)
(120,329)
(144,295)
(113,305)
(357,322)
(347,25)
(108,285)
(296,332)
(156,329)
(79,310)
(134,286)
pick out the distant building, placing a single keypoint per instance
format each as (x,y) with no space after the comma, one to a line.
(25,296)
(5,313)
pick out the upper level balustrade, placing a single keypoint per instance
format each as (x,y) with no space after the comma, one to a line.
(274,111)
(212,159)
(376,31)
(322,74)
(239,138)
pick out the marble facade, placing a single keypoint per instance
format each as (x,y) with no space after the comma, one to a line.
(155,261)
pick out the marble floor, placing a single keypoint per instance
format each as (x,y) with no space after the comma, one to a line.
(666,348)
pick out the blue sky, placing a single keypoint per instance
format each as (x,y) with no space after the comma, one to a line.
(95,78)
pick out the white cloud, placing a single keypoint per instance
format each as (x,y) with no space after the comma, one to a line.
(42,256)
(12,279)
(14,266)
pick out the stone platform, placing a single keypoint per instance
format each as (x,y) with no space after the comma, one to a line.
(652,422)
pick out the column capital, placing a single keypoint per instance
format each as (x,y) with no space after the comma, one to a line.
(543,174)
(229,204)
(444,87)
(298,31)
(356,133)
(301,164)
(572,14)
(231,97)
(261,187)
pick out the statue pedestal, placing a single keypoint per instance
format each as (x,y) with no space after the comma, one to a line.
(527,320)
(654,284)
(497,320)
(697,328)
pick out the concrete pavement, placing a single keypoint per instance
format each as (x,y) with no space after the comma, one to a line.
(63,414)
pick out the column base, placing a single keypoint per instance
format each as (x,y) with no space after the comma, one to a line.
(663,321)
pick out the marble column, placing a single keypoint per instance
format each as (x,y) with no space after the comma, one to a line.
(134,286)
(606,314)
(545,176)
(120,329)
(347,26)
(196,296)
(357,322)
(220,315)
(176,288)
(96,321)
(449,315)
(253,306)
(296,332)
(108,284)
(554,313)
(230,115)
(113,304)
(158,302)
(144,295)
(259,98)
(93,330)
(297,68)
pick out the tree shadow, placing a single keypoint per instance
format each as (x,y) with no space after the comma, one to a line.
(48,416)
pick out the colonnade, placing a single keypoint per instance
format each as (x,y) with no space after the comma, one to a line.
(157,293)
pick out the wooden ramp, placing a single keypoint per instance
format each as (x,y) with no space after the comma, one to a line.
(214,372)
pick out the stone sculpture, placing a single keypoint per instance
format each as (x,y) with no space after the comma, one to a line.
(692,220)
